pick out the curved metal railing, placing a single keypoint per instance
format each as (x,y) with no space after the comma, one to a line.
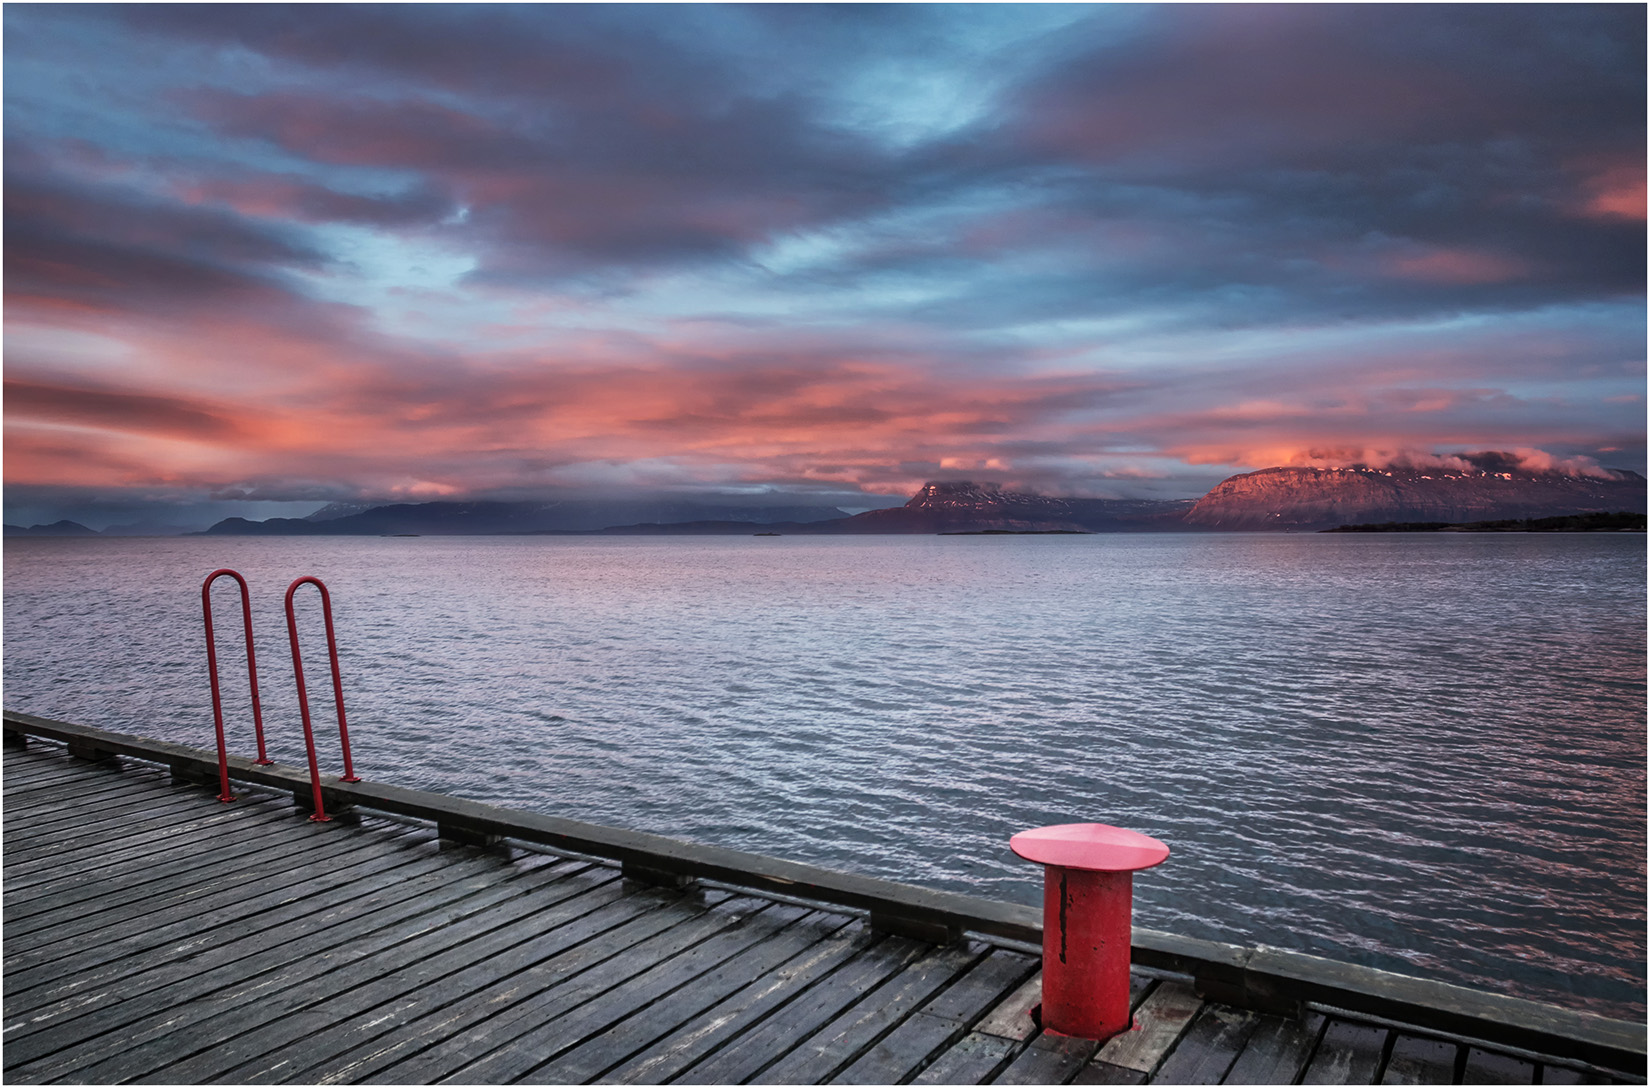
(320,814)
(251,670)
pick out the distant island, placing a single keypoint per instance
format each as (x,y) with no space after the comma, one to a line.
(1479,489)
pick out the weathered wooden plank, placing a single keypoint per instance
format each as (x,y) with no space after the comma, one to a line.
(135,1009)
(137,850)
(43,805)
(1011,1018)
(983,987)
(1562,1074)
(551,1055)
(539,997)
(1348,1054)
(161,1030)
(90,839)
(838,1042)
(240,931)
(143,904)
(348,858)
(97,813)
(1414,1060)
(748,1056)
(42,756)
(578,996)
(910,1046)
(1049,1059)
(75,800)
(690,1042)
(940,1023)
(47,788)
(39,906)
(276,1032)
(971,1060)
(1099,1072)
(637,1035)
(1277,1050)
(1208,1048)
(1488,1067)
(154,881)
(186,933)
(51,908)
(20,761)
(1158,1022)
(140,858)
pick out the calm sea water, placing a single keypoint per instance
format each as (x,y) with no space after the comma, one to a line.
(1422,753)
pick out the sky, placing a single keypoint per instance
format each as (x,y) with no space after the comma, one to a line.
(261,258)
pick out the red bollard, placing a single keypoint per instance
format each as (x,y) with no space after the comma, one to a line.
(1088,902)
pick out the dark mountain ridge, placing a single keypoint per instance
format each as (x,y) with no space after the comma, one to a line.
(493,518)
(1479,487)
(56,528)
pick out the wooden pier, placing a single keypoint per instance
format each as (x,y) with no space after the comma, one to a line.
(156,935)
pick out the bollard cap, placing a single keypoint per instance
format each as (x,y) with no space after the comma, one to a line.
(1096,847)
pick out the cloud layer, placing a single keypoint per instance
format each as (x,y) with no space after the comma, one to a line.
(325,251)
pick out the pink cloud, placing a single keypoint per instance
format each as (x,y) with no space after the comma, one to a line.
(1457,267)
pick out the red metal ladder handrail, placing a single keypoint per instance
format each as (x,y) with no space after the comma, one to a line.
(319,814)
(251,670)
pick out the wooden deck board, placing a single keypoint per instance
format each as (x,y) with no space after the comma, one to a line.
(542,982)
(875,1014)
(571,966)
(139,853)
(212,920)
(156,935)
(173,997)
(940,1023)
(135,863)
(257,849)
(973,1060)
(57,801)
(270,1030)
(1415,1060)
(122,953)
(1486,1067)
(46,797)
(188,891)
(749,1004)
(746,1057)
(639,1031)
(1347,1054)
(1209,1047)
(1158,1023)
(642,977)
(1050,1059)
(1277,1050)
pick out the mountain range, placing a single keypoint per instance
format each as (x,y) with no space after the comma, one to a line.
(1475,487)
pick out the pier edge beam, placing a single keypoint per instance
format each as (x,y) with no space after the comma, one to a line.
(656,877)
(338,810)
(189,772)
(461,835)
(81,749)
(930,929)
